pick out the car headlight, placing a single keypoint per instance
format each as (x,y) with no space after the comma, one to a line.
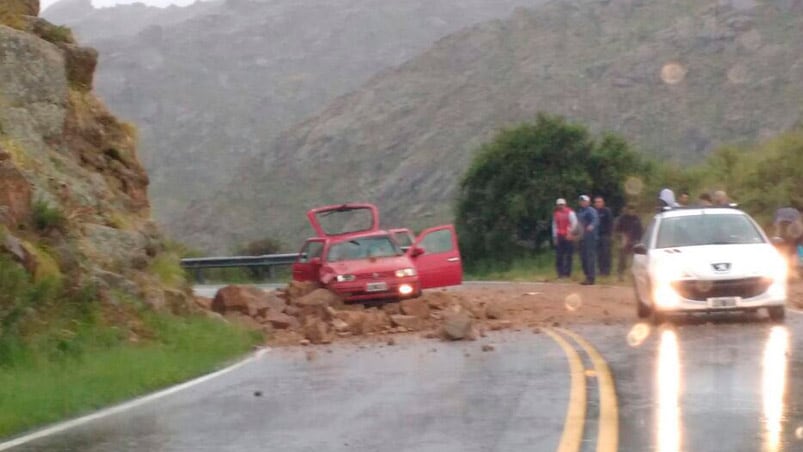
(345,278)
(405,272)
(779,275)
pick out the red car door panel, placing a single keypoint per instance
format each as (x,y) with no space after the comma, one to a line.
(308,264)
(439,264)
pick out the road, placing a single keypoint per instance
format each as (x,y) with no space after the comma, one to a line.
(720,384)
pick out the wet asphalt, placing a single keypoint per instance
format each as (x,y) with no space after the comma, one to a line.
(718,384)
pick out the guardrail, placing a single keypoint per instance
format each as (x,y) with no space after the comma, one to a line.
(196,265)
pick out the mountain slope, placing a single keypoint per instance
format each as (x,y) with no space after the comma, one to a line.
(208,85)
(675,77)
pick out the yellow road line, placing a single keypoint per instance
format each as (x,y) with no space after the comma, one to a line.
(608,434)
(576,413)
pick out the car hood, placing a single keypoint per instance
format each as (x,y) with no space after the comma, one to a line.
(378,265)
(717,261)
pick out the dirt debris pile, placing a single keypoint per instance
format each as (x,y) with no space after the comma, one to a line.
(305,313)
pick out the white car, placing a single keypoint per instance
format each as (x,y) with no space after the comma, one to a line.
(707,259)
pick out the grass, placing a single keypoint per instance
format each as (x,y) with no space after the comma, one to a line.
(95,367)
(167,268)
(535,268)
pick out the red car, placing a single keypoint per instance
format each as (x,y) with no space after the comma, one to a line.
(353,257)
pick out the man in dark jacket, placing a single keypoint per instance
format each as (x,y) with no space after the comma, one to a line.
(605,236)
(587,216)
(628,228)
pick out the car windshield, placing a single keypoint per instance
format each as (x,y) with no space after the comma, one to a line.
(694,230)
(361,248)
(403,238)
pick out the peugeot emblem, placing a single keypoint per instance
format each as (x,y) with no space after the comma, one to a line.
(721,267)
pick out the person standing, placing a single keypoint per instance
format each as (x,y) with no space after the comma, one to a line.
(721,198)
(604,236)
(587,216)
(683,199)
(564,221)
(629,230)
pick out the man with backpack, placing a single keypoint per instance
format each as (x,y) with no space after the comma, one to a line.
(564,222)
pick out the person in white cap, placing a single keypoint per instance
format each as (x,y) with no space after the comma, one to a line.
(564,222)
(588,246)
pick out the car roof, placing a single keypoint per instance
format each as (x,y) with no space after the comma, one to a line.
(352,236)
(693,211)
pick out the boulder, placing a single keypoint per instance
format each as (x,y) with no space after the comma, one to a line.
(318,297)
(375,321)
(243,320)
(317,332)
(19,8)
(494,311)
(415,307)
(437,300)
(297,289)
(80,65)
(203,302)
(245,299)
(457,325)
(410,322)
(279,320)
(354,320)
(15,195)
(275,302)
(391,308)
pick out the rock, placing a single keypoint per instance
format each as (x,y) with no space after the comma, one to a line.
(297,289)
(476,309)
(243,320)
(80,65)
(340,325)
(18,250)
(274,302)
(246,299)
(353,319)
(456,325)
(15,196)
(391,341)
(292,310)
(203,302)
(487,348)
(416,307)
(279,320)
(392,308)
(317,332)
(500,325)
(318,297)
(437,300)
(304,342)
(410,322)
(19,8)
(494,311)
(374,321)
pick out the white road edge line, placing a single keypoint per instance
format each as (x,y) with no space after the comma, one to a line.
(796,311)
(66,425)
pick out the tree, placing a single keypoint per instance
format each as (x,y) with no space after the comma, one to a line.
(507,195)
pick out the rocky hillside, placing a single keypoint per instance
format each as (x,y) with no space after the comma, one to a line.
(209,84)
(676,77)
(74,208)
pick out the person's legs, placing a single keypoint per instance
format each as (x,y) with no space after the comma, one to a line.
(588,256)
(569,256)
(604,255)
(623,263)
(559,257)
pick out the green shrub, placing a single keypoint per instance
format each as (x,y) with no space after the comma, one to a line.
(47,218)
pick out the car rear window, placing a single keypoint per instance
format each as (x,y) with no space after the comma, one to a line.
(362,248)
(346,220)
(695,230)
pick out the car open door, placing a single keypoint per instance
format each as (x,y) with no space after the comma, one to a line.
(437,257)
(343,219)
(308,264)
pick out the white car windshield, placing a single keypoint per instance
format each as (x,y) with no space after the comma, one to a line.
(362,248)
(695,230)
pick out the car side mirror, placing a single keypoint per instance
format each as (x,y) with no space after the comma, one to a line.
(639,248)
(416,251)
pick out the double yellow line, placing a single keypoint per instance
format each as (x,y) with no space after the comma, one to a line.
(608,429)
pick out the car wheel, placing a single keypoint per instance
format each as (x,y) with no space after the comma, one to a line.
(642,310)
(777,313)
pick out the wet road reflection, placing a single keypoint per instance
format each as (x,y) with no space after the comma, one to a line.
(668,387)
(774,386)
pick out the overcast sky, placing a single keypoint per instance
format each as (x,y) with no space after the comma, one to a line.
(98,3)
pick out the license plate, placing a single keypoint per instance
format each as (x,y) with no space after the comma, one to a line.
(376,286)
(723,302)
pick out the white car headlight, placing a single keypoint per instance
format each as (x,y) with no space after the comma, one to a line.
(779,275)
(345,278)
(405,272)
